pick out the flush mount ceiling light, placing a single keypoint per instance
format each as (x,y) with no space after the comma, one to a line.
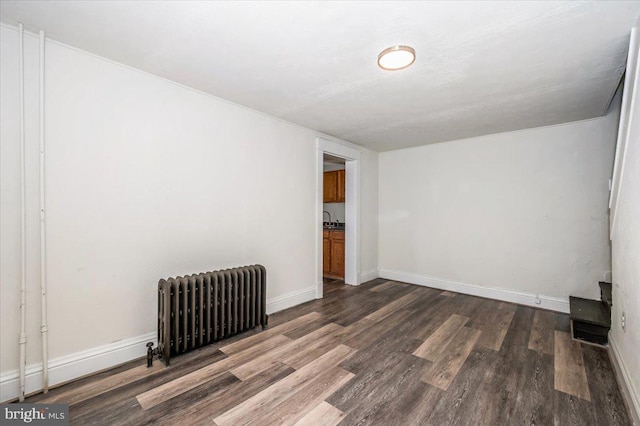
(396,58)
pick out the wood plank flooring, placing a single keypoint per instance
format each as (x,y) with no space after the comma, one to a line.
(383,353)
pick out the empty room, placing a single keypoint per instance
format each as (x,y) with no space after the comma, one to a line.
(320,212)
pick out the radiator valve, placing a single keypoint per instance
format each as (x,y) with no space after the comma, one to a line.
(149,355)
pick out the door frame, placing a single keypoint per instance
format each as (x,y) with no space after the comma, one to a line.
(352,209)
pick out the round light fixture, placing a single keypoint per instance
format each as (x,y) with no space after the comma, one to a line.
(396,58)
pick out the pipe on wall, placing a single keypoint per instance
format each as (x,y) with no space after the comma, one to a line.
(23,224)
(43,235)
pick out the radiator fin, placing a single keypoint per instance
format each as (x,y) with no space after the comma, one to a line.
(200,309)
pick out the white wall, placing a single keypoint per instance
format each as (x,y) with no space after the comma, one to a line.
(368,215)
(625,236)
(509,215)
(328,167)
(147,179)
(337,211)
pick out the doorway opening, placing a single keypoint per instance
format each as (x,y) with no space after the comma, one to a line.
(338,219)
(333,218)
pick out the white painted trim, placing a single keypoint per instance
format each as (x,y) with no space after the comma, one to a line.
(289,300)
(522,298)
(74,366)
(91,361)
(352,223)
(625,381)
(629,94)
(335,147)
(368,276)
(352,208)
(319,219)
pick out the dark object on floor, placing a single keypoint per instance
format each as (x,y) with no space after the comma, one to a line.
(591,319)
(196,310)
(150,355)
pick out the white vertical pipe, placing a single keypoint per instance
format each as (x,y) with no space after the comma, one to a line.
(23,277)
(43,235)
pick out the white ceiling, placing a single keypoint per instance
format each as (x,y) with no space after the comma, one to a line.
(481,68)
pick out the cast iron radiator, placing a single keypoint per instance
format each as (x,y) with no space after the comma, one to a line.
(199,309)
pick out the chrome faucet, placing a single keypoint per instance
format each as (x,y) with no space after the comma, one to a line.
(328,214)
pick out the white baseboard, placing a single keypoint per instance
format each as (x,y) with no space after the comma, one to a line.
(79,364)
(522,298)
(291,299)
(74,366)
(368,276)
(625,381)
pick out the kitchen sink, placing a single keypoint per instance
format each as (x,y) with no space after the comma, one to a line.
(337,226)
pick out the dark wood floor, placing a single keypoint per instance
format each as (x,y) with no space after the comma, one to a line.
(383,353)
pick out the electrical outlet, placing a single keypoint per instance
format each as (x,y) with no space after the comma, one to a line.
(623,321)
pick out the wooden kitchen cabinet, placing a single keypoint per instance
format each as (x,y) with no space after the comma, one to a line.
(337,254)
(326,252)
(333,254)
(341,185)
(334,186)
(330,187)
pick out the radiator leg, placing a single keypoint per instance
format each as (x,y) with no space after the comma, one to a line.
(149,355)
